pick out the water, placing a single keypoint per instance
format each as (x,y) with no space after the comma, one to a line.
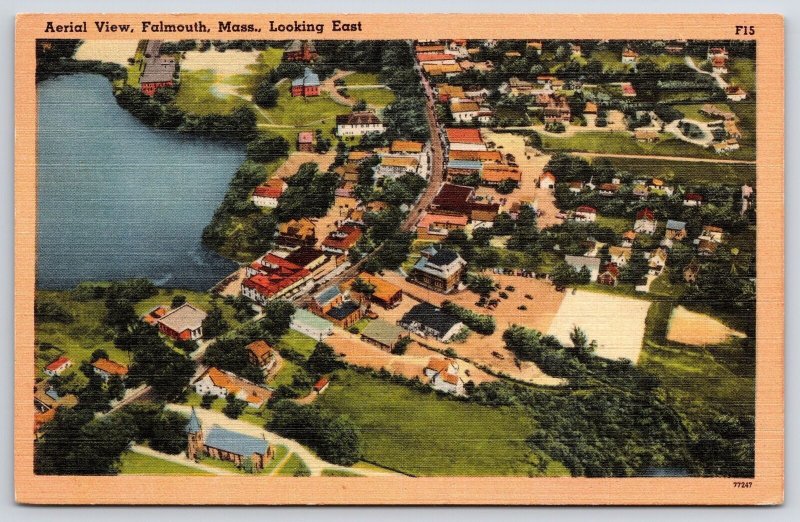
(117,199)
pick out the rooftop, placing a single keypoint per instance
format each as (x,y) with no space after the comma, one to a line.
(185,317)
(431,317)
(384,332)
(235,442)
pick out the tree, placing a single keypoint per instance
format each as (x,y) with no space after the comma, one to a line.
(584,349)
(115,388)
(214,324)
(98,354)
(360,105)
(563,275)
(232,355)
(169,432)
(166,371)
(323,360)
(265,149)
(233,407)
(178,300)
(206,401)
(401,346)
(364,288)
(119,313)
(277,318)
(266,95)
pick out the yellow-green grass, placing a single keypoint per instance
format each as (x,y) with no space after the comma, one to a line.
(361,324)
(421,433)
(317,111)
(280,453)
(617,224)
(361,78)
(292,466)
(202,300)
(374,97)
(623,143)
(662,61)
(223,465)
(266,61)
(297,342)
(742,72)
(76,340)
(612,61)
(285,374)
(198,94)
(137,464)
(330,472)
(720,376)
(686,173)
(368,466)
(250,414)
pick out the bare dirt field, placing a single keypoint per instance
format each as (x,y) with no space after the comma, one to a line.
(231,62)
(697,329)
(289,167)
(411,364)
(234,287)
(478,348)
(532,167)
(615,322)
(107,51)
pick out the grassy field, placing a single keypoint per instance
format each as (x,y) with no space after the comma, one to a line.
(138,464)
(375,97)
(198,94)
(284,375)
(292,466)
(266,61)
(611,61)
(685,172)
(297,342)
(280,453)
(742,72)
(362,78)
(623,143)
(662,61)
(339,473)
(721,376)
(692,111)
(318,112)
(423,434)
(202,300)
(617,224)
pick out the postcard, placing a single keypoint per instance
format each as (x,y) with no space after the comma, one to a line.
(395,259)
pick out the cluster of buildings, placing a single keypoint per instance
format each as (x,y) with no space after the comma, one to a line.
(156,70)
(728,133)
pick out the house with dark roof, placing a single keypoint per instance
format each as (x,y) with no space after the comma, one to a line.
(427,320)
(159,71)
(334,306)
(676,230)
(300,51)
(224,444)
(262,355)
(306,85)
(439,269)
(340,241)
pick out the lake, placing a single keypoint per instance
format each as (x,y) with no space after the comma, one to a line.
(118,199)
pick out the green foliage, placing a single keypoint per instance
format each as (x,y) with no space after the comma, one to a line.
(266,95)
(480,284)
(483,324)
(333,437)
(277,318)
(265,149)
(233,407)
(544,350)
(214,324)
(323,360)
(178,300)
(310,193)
(48,311)
(154,363)
(401,346)
(206,401)
(231,354)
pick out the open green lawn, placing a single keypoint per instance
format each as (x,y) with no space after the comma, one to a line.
(362,78)
(617,224)
(339,473)
(284,375)
(685,172)
(280,453)
(692,111)
(292,466)
(376,97)
(202,300)
(316,112)
(423,434)
(137,464)
(198,93)
(266,61)
(251,415)
(721,376)
(623,143)
(662,61)
(612,61)
(297,342)
(742,72)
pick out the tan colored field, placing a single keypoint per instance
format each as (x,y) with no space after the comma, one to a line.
(478,348)
(697,329)
(289,167)
(411,364)
(531,166)
(231,62)
(615,322)
(107,51)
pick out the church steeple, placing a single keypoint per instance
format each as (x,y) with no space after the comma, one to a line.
(194,425)
(194,432)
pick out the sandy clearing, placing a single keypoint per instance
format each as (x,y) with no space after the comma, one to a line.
(411,364)
(231,62)
(234,287)
(289,167)
(478,348)
(532,167)
(615,322)
(107,51)
(687,327)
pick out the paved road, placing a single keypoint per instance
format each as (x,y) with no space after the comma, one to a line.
(686,159)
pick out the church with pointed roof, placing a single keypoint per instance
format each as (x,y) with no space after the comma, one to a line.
(224,444)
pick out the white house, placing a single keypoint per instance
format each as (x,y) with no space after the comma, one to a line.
(645,222)
(57,367)
(629,56)
(547,181)
(220,384)
(464,111)
(590,263)
(444,376)
(586,214)
(619,255)
(267,195)
(358,124)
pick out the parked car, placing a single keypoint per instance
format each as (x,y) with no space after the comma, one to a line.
(499,355)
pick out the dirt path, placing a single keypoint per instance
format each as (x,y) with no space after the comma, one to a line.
(664,158)
(690,63)
(314,463)
(329,86)
(280,464)
(179,459)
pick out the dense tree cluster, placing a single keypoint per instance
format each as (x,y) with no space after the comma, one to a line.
(310,194)
(480,323)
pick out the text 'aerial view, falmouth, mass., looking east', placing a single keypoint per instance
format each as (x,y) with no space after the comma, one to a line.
(373,258)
